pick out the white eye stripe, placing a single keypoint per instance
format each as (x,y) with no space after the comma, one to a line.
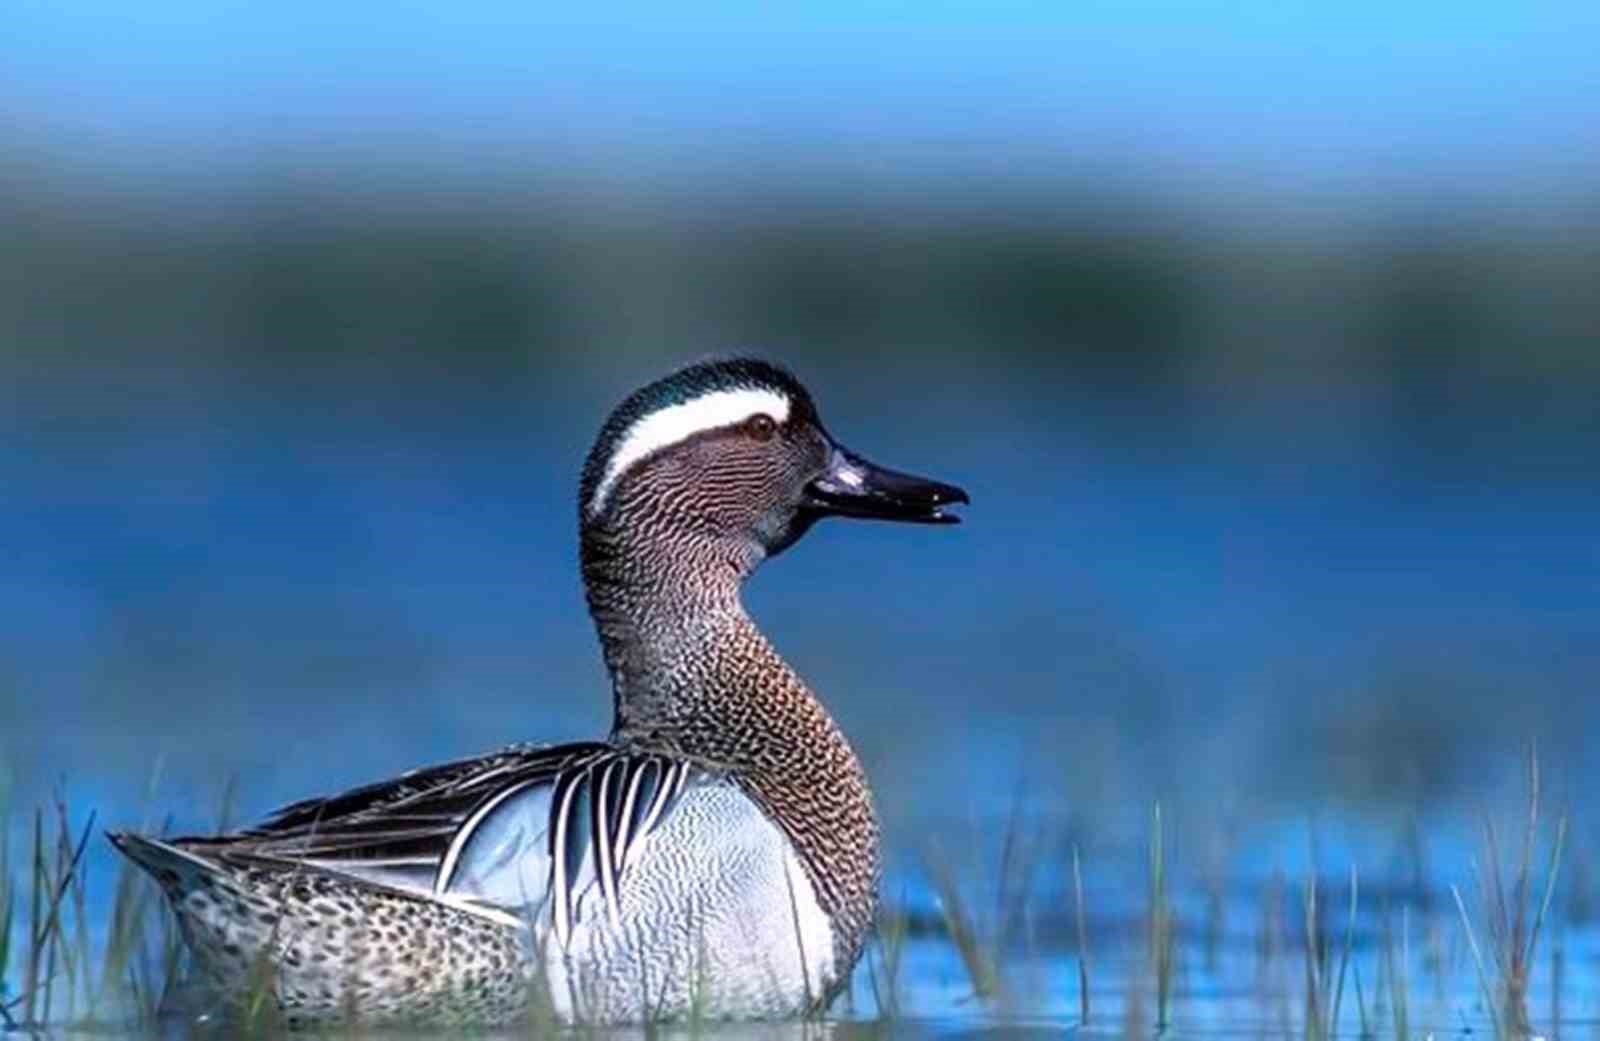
(675,423)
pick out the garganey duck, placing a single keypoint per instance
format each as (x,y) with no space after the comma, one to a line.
(716,856)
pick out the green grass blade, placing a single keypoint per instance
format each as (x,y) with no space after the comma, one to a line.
(8,900)
(1083,940)
(1552,869)
(7,907)
(1489,1001)
(36,936)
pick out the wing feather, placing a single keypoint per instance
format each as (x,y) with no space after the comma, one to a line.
(415,831)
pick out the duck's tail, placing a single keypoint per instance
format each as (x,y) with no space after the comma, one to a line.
(177,869)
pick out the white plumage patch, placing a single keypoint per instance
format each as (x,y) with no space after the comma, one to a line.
(674,423)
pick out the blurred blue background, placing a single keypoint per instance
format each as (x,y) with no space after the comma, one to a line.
(1263,335)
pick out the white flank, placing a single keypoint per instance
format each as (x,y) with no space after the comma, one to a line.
(668,426)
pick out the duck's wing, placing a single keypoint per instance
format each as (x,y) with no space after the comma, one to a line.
(518,828)
(396,831)
(542,845)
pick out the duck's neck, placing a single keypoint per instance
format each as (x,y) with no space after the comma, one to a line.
(693,676)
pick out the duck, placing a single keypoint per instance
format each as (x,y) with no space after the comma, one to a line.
(717,856)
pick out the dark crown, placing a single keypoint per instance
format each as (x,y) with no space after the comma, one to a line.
(685,385)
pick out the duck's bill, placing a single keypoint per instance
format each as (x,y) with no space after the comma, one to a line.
(853,487)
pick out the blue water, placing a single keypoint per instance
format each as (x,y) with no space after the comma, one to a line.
(305,600)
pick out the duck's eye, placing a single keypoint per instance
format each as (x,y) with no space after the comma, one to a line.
(761,426)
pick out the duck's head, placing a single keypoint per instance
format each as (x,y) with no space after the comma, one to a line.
(734,451)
